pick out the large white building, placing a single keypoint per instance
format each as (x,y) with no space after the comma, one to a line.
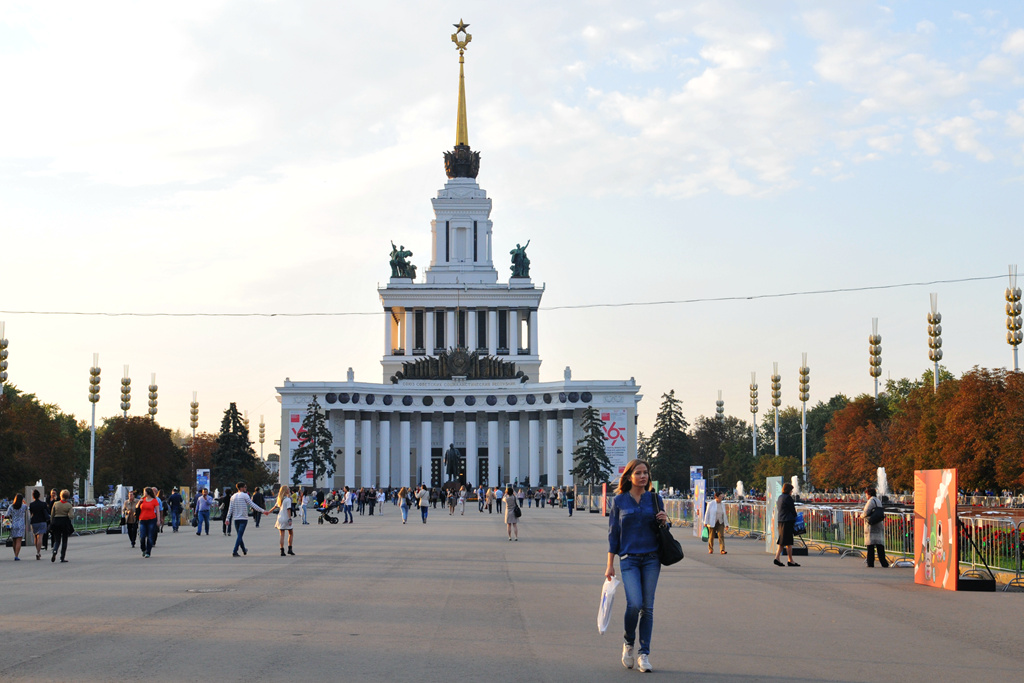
(461,365)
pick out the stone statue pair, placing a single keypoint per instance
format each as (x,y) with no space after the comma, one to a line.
(400,266)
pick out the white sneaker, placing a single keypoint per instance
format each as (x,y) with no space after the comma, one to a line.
(627,656)
(643,664)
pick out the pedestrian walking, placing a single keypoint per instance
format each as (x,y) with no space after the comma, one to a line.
(305,506)
(498,495)
(785,518)
(346,502)
(423,496)
(17,512)
(223,502)
(238,511)
(149,520)
(874,533)
(61,527)
(50,501)
(632,536)
(716,523)
(570,499)
(512,513)
(283,506)
(131,517)
(202,509)
(462,501)
(381,497)
(39,518)
(403,496)
(176,505)
(490,501)
(260,500)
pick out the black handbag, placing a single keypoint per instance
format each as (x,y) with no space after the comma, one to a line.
(876,514)
(518,511)
(669,550)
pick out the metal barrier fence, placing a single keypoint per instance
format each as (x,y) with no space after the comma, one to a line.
(86,520)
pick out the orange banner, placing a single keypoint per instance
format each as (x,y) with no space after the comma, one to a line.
(936,552)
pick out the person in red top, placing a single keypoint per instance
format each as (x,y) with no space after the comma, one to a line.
(149,520)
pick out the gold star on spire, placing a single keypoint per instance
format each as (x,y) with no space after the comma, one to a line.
(461,44)
(461,126)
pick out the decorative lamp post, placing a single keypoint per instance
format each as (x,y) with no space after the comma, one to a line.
(194,422)
(1013,321)
(263,435)
(875,354)
(753,409)
(805,395)
(776,401)
(935,338)
(720,408)
(245,421)
(3,354)
(94,398)
(126,392)
(152,397)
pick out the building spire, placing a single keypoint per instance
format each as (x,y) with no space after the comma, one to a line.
(461,126)
(461,162)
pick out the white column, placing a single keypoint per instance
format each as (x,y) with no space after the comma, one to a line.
(387,332)
(471,450)
(422,475)
(513,447)
(533,332)
(449,432)
(428,342)
(471,338)
(568,444)
(493,449)
(384,448)
(405,448)
(535,448)
(492,332)
(551,446)
(513,335)
(409,325)
(350,448)
(366,457)
(450,337)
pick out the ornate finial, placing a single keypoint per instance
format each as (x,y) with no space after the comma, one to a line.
(461,162)
(460,45)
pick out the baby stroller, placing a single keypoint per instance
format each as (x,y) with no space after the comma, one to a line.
(325,513)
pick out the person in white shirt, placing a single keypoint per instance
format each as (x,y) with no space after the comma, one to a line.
(305,506)
(380,502)
(346,503)
(238,510)
(716,522)
(423,496)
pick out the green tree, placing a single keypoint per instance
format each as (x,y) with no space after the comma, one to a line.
(234,458)
(314,450)
(670,444)
(137,452)
(590,462)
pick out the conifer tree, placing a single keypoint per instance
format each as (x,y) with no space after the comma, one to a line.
(234,458)
(670,444)
(590,462)
(314,450)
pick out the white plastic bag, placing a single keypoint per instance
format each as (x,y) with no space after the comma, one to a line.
(604,611)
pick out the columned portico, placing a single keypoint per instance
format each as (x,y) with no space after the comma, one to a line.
(422,474)
(534,420)
(350,446)
(366,455)
(551,446)
(513,447)
(384,446)
(493,449)
(405,448)
(568,445)
(472,451)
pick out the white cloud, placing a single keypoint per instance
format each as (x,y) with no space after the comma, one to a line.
(927,142)
(963,132)
(1014,43)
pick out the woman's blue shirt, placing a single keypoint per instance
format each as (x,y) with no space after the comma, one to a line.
(631,524)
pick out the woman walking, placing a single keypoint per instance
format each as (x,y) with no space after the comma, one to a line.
(16,512)
(716,522)
(60,525)
(511,508)
(403,496)
(284,517)
(462,500)
(423,496)
(785,518)
(632,536)
(39,517)
(131,517)
(149,520)
(874,533)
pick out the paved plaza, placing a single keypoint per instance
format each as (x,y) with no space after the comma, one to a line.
(452,600)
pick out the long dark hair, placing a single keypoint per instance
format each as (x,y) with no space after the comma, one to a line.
(18,498)
(624,481)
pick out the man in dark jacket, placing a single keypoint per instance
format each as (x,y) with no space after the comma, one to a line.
(176,504)
(785,518)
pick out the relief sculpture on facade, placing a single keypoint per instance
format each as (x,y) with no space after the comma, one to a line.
(458,363)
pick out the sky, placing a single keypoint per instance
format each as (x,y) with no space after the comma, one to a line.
(259,157)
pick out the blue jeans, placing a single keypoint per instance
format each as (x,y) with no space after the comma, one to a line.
(640,580)
(239,531)
(405,513)
(423,511)
(572,504)
(202,517)
(175,519)
(147,535)
(348,513)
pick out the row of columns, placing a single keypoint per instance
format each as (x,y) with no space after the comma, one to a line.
(400,330)
(495,447)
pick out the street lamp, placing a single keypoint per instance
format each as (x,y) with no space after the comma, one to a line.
(805,395)
(753,409)
(776,401)
(3,354)
(720,408)
(935,338)
(94,398)
(152,397)
(194,422)
(875,354)
(126,392)
(263,435)
(1013,321)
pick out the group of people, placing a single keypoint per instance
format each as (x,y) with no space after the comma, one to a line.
(237,507)
(48,521)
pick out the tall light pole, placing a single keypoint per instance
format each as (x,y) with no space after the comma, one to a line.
(3,355)
(875,354)
(152,397)
(753,410)
(720,408)
(776,401)
(94,398)
(194,422)
(126,393)
(1013,321)
(263,435)
(935,338)
(805,395)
